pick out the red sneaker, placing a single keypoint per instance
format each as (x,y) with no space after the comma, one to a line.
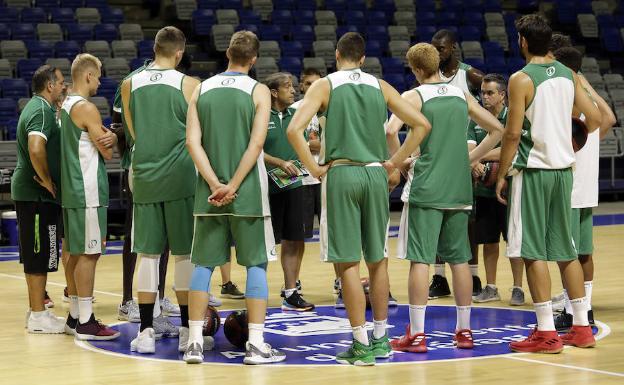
(416,343)
(463,339)
(579,336)
(539,342)
(95,330)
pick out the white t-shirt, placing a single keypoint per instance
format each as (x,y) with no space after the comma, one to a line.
(314,127)
(585,183)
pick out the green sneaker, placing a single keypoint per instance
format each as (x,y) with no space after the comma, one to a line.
(358,355)
(381,347)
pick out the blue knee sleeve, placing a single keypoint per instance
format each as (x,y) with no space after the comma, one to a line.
(200,280)
(257,287)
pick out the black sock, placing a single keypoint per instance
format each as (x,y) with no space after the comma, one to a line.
(146,310)
(184,315)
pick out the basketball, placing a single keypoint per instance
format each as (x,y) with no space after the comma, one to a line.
(490,175)
(212,322)
(235,328)
(579,134)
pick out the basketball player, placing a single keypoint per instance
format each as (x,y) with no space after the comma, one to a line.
(286,202)
(34,190)
(584,189)
(154,108)
(226,128)
(491,215)
(355,212)
(85,196)
(468,79)
(537,151)
(435,217)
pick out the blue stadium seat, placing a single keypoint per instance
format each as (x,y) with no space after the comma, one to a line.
(208,4)
(606,21)
(309,5)
(248,16)
(611,40)
(449,27)
(377,18)
(290,64)
(377,32)
(112,16)
(410,81)
(474,18)
(247,27)
(385,6)
(396,80)
(5,32)
(40,49)
(67,49)
(25,68)
(48,5)
(469,33)
(79,32)
(477,63)
(231,4)
(492,48)
(106,32)
(282,17)
(62,16)
(304,34)
(14,88)
(425,18)
(73,4)
(107,89)
(515,64)
(492,6)
(619,20)
(566,12)
(203,20)
(497,64)
(270,32)
(527,6)
(34,15)
(356,5)
(98,4)
(23,31)
(11,127)
(356,18)
(338,6)
(426,5)
(392,65)
(473,5)
(452,5)
(342,29)
(136,63)
(425,32)
(292,48)
(9,15)
(510,19)
(285,4)
(447,18)
(8,110)
(304,16)
(145,48)
(374,48)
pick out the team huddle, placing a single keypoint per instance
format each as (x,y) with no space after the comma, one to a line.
(232,161)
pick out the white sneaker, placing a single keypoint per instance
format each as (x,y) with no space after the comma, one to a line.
(163,327)
(214,301)
(558,303)
(45,323)
(145,342)
(209,342)
(133,311)
(194,354)
(169,308)
(266,355)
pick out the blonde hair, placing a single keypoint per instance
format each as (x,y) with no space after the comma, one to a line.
(168,41)
(82,63)
(244,46)
(425,57)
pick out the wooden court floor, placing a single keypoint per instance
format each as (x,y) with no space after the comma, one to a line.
(56,359)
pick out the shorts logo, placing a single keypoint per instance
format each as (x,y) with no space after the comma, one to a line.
(550,71)
(355,76)
(156,77)
(442,90)
(53,259)
(273,252)
(92,244)
(228,82)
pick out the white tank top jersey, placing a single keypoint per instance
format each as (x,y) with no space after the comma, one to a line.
(585,183)
(460,79)
(313,127)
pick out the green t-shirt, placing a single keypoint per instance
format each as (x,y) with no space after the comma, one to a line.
(476,134)
(37,118)
(277,144)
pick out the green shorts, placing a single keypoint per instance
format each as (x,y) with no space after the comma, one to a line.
(425,232)
(153,224)
(354,214)
(582,230)
(214,236)
(540,214)
(85,230)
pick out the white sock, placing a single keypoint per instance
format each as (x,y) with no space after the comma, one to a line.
(463,317)
(491,285)
(474,270)
(566,302)
(157,310)
(256,335)
(289,292)
(417,318)
(85,309)
(37,314)
(544,313)
(440,269)
(379,328)
(589,285)
(195,332)
(360,334)
(579,312)
(73,306)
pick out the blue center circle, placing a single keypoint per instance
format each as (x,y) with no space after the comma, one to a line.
(315,337)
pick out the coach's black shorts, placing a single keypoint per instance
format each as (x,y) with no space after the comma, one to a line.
(39,229)
(490,220)
(287,214)
(311,207)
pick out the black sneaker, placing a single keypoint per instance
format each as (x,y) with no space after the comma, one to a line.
(439,287)
(476,286)
(230,290)
(70,325)
(298,286)
(590,318)
(392,302)
(297,303)
(563,321)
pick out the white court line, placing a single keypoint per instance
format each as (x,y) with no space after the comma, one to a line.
(58,284)
(564,366)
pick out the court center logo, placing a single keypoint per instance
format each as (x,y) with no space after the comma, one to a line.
(156,77)
(228,82)
(315,337)
(550,71)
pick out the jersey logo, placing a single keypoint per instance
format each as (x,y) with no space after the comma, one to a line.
(442,90)
(156,77)
(228,81)
(550,71)
(271,125)
(355,76)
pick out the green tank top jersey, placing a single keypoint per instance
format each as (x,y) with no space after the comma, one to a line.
(356,114)
(162,166)
(83,171)
(37,118)
(277,144)
(226,113)
(546,141)
(442,172)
